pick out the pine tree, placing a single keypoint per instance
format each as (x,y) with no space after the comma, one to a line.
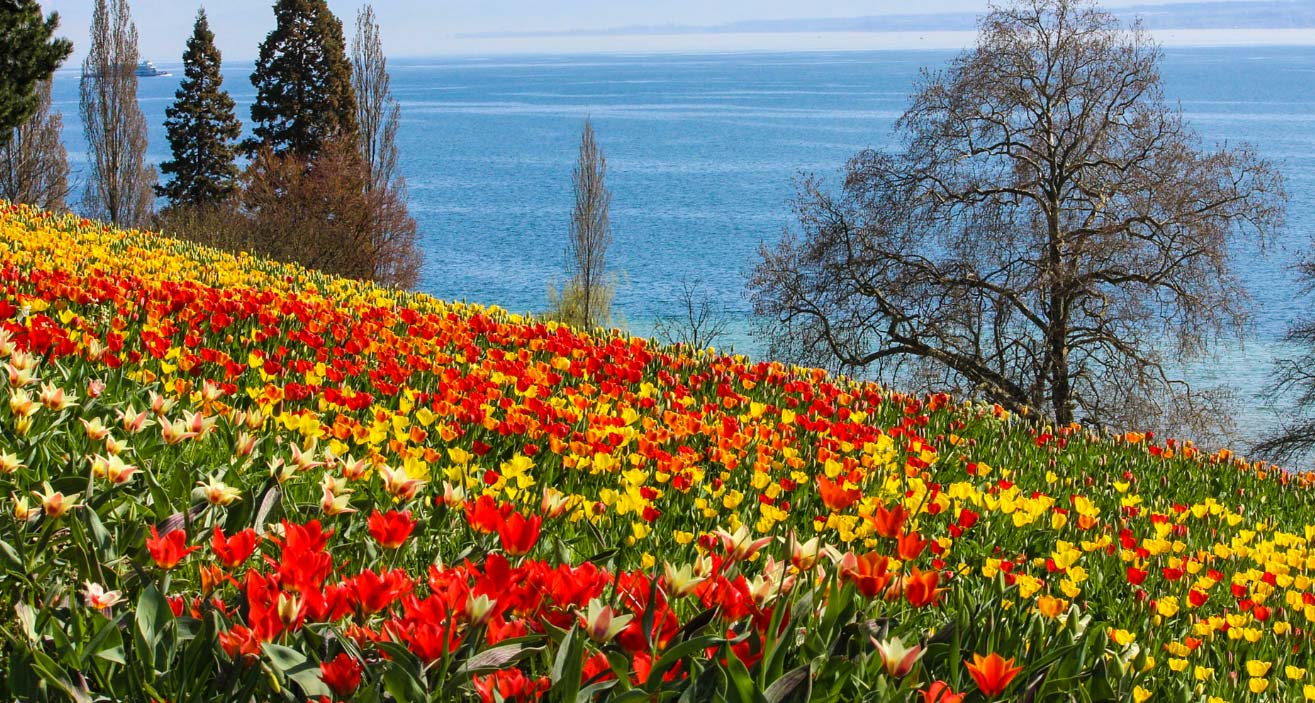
(120,182)
(202,127)
(303,82)
(28,55)
(34,163)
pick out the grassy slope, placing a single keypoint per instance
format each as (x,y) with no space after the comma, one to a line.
(651,448)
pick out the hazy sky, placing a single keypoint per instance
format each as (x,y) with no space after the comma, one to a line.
(427,27)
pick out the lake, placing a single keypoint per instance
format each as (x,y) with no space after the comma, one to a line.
(702,152)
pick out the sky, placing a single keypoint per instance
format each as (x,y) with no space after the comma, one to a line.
(436,27)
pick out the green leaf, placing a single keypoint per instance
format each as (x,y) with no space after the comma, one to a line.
(497,658)
(787,685)
(741,682)
(154,616)
(107,643)
(11,558)
(402,686)
(568,665)
(297,668)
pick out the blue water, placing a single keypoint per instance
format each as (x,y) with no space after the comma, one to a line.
(702,152)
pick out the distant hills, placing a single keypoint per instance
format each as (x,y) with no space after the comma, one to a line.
(1248,14)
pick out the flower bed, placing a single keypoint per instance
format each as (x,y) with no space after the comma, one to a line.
(232,479)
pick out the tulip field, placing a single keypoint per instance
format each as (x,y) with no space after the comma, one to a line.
(228,479)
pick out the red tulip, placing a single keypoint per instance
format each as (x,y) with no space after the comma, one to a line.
(342,674)
(939,692)
(167,551)
(232,551)
(392,528)
(519,534)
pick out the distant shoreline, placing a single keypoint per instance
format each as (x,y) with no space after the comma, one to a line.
(789,42)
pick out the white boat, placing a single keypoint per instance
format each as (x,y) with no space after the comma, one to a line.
(146,69)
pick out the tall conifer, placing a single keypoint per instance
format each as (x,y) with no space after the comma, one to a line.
(202,127)
(28,55)
(303,82)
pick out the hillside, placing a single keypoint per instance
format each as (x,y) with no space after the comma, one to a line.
(232,479)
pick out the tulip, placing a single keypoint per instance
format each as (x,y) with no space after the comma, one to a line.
(896,658)
(479,609)
(909,546)
(834,494)
(869,572)
(99,598)
(55,398)
(992,673)
(920,587)
(889,523)
(9,463)
(54,503)
(232,551)
(96,431)
(342,675)
(133,421)
(739,545)
(939,692)
(602,623)
(680,581)
(519,534)
(219,493)
(399,484)
(168,550)
(391,529)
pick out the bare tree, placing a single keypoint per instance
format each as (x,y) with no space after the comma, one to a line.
(34,163)
(1051,236)
(378,115)
(377,112)
(1294,380)
(700,322)
(120,182)
(586,298)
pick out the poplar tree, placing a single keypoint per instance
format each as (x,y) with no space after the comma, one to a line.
(303,82)
(34,163)
(202,127)
(120,183)
(396,259)
(29,54)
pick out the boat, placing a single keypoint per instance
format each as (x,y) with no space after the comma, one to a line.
(146,69)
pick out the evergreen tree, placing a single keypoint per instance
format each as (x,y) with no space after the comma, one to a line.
(28,55)
(202,127)
(303,82)
(120,184)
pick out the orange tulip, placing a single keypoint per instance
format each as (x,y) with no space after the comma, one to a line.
(834,495)
(910,545)
(920,587)
(992,673)
(868,572)
(889,523)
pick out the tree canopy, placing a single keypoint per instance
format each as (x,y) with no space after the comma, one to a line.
(201,126)
(29,54)
(303,82)
(1050,235)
